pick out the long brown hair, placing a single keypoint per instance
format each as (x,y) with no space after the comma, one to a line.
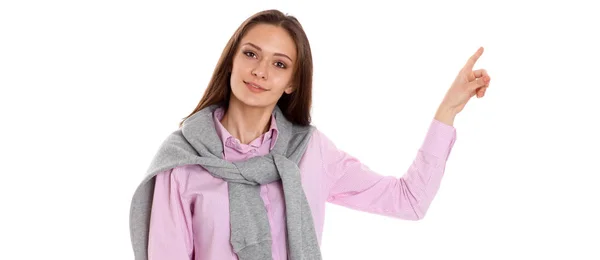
(295,106)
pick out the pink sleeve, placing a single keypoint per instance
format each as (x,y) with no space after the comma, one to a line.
(170,235)
(352,184)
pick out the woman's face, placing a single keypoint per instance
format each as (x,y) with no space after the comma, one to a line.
(263,66)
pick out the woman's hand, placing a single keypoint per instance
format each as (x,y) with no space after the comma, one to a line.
(467,84)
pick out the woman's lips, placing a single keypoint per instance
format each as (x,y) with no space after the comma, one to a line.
(254,87)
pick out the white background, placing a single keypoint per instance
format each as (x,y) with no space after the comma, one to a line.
(89,89)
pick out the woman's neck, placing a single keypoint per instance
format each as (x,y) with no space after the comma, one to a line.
(244,122)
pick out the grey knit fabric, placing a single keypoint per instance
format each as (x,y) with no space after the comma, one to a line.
(197,142)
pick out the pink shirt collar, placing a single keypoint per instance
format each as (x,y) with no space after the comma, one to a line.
(232,142)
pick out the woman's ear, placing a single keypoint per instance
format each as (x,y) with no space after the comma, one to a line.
(289,90)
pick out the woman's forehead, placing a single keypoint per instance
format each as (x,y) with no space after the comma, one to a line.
(270,39)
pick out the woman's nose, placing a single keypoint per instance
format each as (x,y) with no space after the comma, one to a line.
(260,70)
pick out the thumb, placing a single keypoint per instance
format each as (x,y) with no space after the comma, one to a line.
(475,84)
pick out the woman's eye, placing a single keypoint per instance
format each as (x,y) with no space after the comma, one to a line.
(250,54)
(280,64)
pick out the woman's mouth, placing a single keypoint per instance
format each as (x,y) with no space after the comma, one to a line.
(254,87)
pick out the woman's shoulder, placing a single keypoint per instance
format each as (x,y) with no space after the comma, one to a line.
(320,141)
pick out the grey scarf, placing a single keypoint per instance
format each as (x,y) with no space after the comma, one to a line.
(198,143)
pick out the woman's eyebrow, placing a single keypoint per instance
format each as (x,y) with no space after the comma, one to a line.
(260,49)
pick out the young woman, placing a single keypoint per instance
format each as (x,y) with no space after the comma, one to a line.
(246,176)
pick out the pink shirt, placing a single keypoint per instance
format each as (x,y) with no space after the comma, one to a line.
(190,212)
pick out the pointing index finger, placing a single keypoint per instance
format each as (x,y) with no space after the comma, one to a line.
(473,59)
